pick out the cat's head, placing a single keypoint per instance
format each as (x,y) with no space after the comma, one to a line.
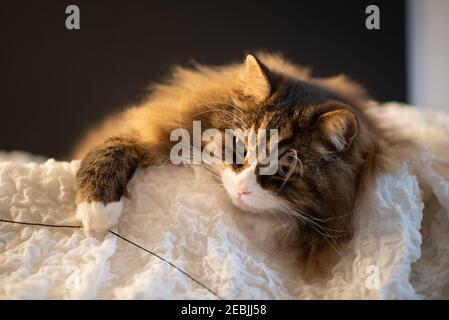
(320,151)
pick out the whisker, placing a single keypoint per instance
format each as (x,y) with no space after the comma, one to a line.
(327,237)
(232,115)
(234,106)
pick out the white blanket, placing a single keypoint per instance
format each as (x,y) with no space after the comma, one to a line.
(400,249)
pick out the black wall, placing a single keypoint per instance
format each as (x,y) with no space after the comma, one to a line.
(56,82)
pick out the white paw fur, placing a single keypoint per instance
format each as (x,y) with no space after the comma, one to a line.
(97,217)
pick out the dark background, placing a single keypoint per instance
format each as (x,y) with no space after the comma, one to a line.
(55,82)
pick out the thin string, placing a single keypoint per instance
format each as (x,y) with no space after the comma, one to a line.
(123,238)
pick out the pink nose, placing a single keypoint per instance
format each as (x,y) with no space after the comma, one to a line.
(243,190)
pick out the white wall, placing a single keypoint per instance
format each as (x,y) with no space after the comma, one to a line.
(428,50)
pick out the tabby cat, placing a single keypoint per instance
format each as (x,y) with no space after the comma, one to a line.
(329,148)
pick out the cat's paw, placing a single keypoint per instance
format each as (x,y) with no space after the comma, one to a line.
(97,217)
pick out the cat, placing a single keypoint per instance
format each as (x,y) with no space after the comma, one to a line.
(329,149)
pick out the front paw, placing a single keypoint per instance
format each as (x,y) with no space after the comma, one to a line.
(97,217)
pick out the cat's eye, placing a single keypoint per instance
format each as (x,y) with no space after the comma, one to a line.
(239,142)
(283,169)
(240,147)
(239,152)
(289,164)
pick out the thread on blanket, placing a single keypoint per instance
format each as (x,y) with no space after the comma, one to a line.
(124,239)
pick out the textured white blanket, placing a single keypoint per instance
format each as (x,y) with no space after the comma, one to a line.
(400,249)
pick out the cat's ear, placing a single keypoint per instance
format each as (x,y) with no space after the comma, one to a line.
(255,77)
(339,127)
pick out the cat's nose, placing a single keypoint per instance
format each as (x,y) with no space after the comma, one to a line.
(244,190)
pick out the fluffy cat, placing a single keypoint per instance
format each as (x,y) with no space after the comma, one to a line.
(329,148)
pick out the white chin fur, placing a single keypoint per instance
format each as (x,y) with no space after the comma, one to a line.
(97,217)
(259,200)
